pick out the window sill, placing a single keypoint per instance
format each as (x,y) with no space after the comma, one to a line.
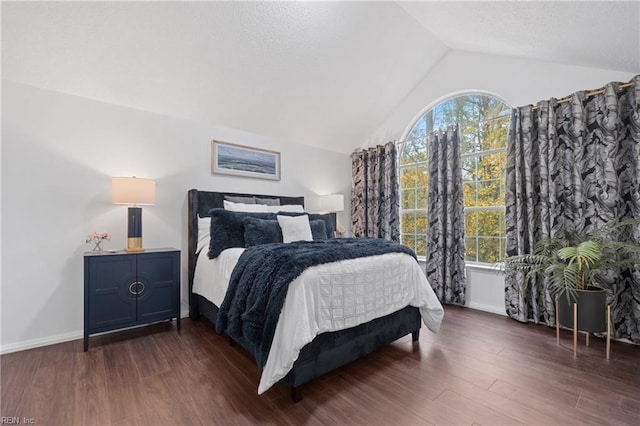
(484,267)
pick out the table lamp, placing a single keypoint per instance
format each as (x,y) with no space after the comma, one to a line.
(331,203)
(133,191)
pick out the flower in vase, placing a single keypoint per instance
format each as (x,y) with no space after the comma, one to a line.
(97,238)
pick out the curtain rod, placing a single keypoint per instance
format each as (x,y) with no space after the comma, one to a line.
(589,94)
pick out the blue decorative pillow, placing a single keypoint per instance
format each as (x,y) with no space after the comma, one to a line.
(328,221)
(318,229)
(227,229)
(261,231)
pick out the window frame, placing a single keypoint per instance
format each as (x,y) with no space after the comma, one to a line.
(401,145)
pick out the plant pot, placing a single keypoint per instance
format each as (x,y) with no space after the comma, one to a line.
(592,310)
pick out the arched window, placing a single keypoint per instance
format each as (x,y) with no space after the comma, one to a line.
(484,123)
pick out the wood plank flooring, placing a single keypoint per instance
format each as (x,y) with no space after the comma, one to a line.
(481,369)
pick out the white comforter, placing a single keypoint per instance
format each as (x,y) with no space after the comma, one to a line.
(328,297)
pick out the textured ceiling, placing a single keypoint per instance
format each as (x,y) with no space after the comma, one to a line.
(598,34)
(324,74)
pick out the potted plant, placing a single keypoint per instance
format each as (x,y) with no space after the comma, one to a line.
(580,267)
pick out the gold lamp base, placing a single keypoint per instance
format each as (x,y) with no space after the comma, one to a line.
(134,244)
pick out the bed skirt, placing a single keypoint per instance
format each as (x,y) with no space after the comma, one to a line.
(329,351)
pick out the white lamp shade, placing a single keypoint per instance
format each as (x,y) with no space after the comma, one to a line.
(133,191)
(331,203)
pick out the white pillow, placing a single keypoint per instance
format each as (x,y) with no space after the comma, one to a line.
(295,208)
(240,207)
(204,229)
(295,228)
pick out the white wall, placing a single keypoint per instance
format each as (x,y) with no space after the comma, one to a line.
(518,82)
(59,152)
(58,155)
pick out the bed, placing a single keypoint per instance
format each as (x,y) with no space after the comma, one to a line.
(325,351)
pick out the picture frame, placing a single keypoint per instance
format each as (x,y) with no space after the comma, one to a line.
(240,160)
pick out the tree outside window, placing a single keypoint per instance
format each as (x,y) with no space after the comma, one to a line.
(484,124)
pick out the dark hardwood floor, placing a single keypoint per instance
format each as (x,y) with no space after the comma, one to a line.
(481,369)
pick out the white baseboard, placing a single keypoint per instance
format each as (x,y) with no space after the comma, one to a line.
(51,340)
(45,341)
(487,308)
(67,337)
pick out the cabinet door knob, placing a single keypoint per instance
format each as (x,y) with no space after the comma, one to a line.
(136,287)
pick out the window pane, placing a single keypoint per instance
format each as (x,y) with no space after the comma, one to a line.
(503,175)
(470,194)
(421,198)
(469,168)
(489,166)
(422,179)
(468,139)
(414,151)
(421,245)
(420,129)
(489,223)
(408,199)
(409,240)
(471,252)
(494,133)
(422,175)
(471,224)
(421,223)
(489,193)
(488,249)
(494,107)
(408,177)
(408,223)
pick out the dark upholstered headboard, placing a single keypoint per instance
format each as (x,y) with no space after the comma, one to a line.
(200,203)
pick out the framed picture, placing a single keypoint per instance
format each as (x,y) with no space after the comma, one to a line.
(231,159)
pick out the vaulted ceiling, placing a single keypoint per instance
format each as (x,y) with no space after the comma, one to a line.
(318,73)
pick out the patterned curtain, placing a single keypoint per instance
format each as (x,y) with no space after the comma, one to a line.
(445,234)
(374,195)
(571,167)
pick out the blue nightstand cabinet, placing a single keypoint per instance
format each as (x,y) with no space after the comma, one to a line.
(125,289)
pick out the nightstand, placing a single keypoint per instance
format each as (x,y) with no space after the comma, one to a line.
(125,289)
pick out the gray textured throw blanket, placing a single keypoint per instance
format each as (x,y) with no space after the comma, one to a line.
(260,280)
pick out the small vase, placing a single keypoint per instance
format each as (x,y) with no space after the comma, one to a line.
(97,245)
